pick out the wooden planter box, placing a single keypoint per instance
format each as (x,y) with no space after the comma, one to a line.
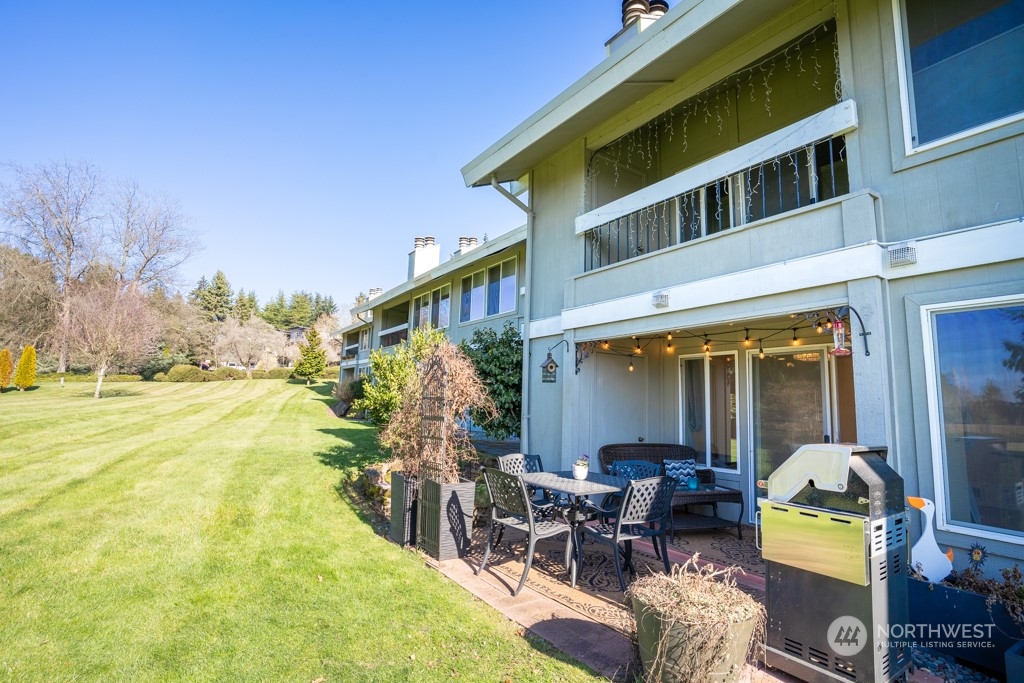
(445,515)
(944,607)
(403,509)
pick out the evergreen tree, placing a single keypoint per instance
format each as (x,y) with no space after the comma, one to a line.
(244,308)
(323,305)
(300,310)
(6,368)
(218,297)
(499,364)
(312,356)
(25,375)
(198,295)
(276,311)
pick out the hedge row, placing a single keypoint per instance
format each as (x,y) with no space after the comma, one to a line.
(87,377)
(183,373)
(190,373)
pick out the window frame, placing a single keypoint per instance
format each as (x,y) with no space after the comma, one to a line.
(943,520)
(906,96)
(433,299)
(706,447)
(486,287)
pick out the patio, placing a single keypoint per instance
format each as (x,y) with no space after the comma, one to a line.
(593,624)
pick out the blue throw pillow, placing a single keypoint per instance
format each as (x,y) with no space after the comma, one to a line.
(681,470)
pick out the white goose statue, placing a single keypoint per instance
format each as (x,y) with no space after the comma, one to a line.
(925,554)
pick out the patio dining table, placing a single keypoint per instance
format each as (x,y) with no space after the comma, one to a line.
(577,490)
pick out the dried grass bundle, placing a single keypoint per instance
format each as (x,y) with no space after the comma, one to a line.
(703,602)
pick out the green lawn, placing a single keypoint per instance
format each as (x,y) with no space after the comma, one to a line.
(195,532)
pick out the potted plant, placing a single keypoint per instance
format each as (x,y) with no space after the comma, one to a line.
(581,467)
(694,623)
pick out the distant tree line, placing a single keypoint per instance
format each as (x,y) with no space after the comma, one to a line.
(88,274)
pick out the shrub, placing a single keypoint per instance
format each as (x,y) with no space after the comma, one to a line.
(188,373)
(259,374)
(163,363)
(228,373)
(88,377)
(499,363)
(25,375)
(6,368)
(160,377)
(330,373)
(279,373)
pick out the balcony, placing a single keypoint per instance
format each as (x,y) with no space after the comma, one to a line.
(794,167)
(393,336)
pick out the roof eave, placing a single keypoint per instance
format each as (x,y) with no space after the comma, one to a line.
(687,34)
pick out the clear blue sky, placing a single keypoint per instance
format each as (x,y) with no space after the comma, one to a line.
(310,142)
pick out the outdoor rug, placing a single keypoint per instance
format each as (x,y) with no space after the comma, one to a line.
(597,594)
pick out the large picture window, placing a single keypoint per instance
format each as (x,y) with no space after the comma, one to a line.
(709,409)
(489,292)
(977,391)
(963,62)
(432,309)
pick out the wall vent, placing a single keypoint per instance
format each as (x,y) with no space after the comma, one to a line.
(903,254)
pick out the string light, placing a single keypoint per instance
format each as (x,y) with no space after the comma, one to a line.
(746,338)
(631,366)
(820,328)
(760,350)
(638,350)
(707,346)
(796,342)
(669,336)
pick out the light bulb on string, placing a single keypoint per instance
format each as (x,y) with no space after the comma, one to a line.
(604,345)
(796,342)
(631,366)
(668,336)
(760,350)
(746,338)
(820,328)
(707,346)
(637,350)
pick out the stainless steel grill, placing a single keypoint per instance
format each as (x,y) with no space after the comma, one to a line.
(833,534)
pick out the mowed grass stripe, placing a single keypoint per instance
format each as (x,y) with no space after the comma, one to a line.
(219,549)
(95,418)
(90,450)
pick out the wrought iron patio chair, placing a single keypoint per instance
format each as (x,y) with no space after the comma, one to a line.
(510,507)
(628,469)
(645,512)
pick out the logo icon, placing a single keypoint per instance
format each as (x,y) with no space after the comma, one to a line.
(847,636)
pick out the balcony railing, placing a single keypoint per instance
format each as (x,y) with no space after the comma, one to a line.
(394,335)
(703,201)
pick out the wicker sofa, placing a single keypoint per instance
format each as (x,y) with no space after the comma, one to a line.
(651,452)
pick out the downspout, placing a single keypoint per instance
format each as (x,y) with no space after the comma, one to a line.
(524,436)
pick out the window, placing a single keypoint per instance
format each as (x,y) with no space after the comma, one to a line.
(963,62)
(489,292)
(709,409)
(976,394)
(364,340)
(433,309)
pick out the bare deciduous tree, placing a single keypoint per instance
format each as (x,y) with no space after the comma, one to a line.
(51,212)
(55,212)
(248,343)
(27,294)
(111,324)
(149,237)
(326,325)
